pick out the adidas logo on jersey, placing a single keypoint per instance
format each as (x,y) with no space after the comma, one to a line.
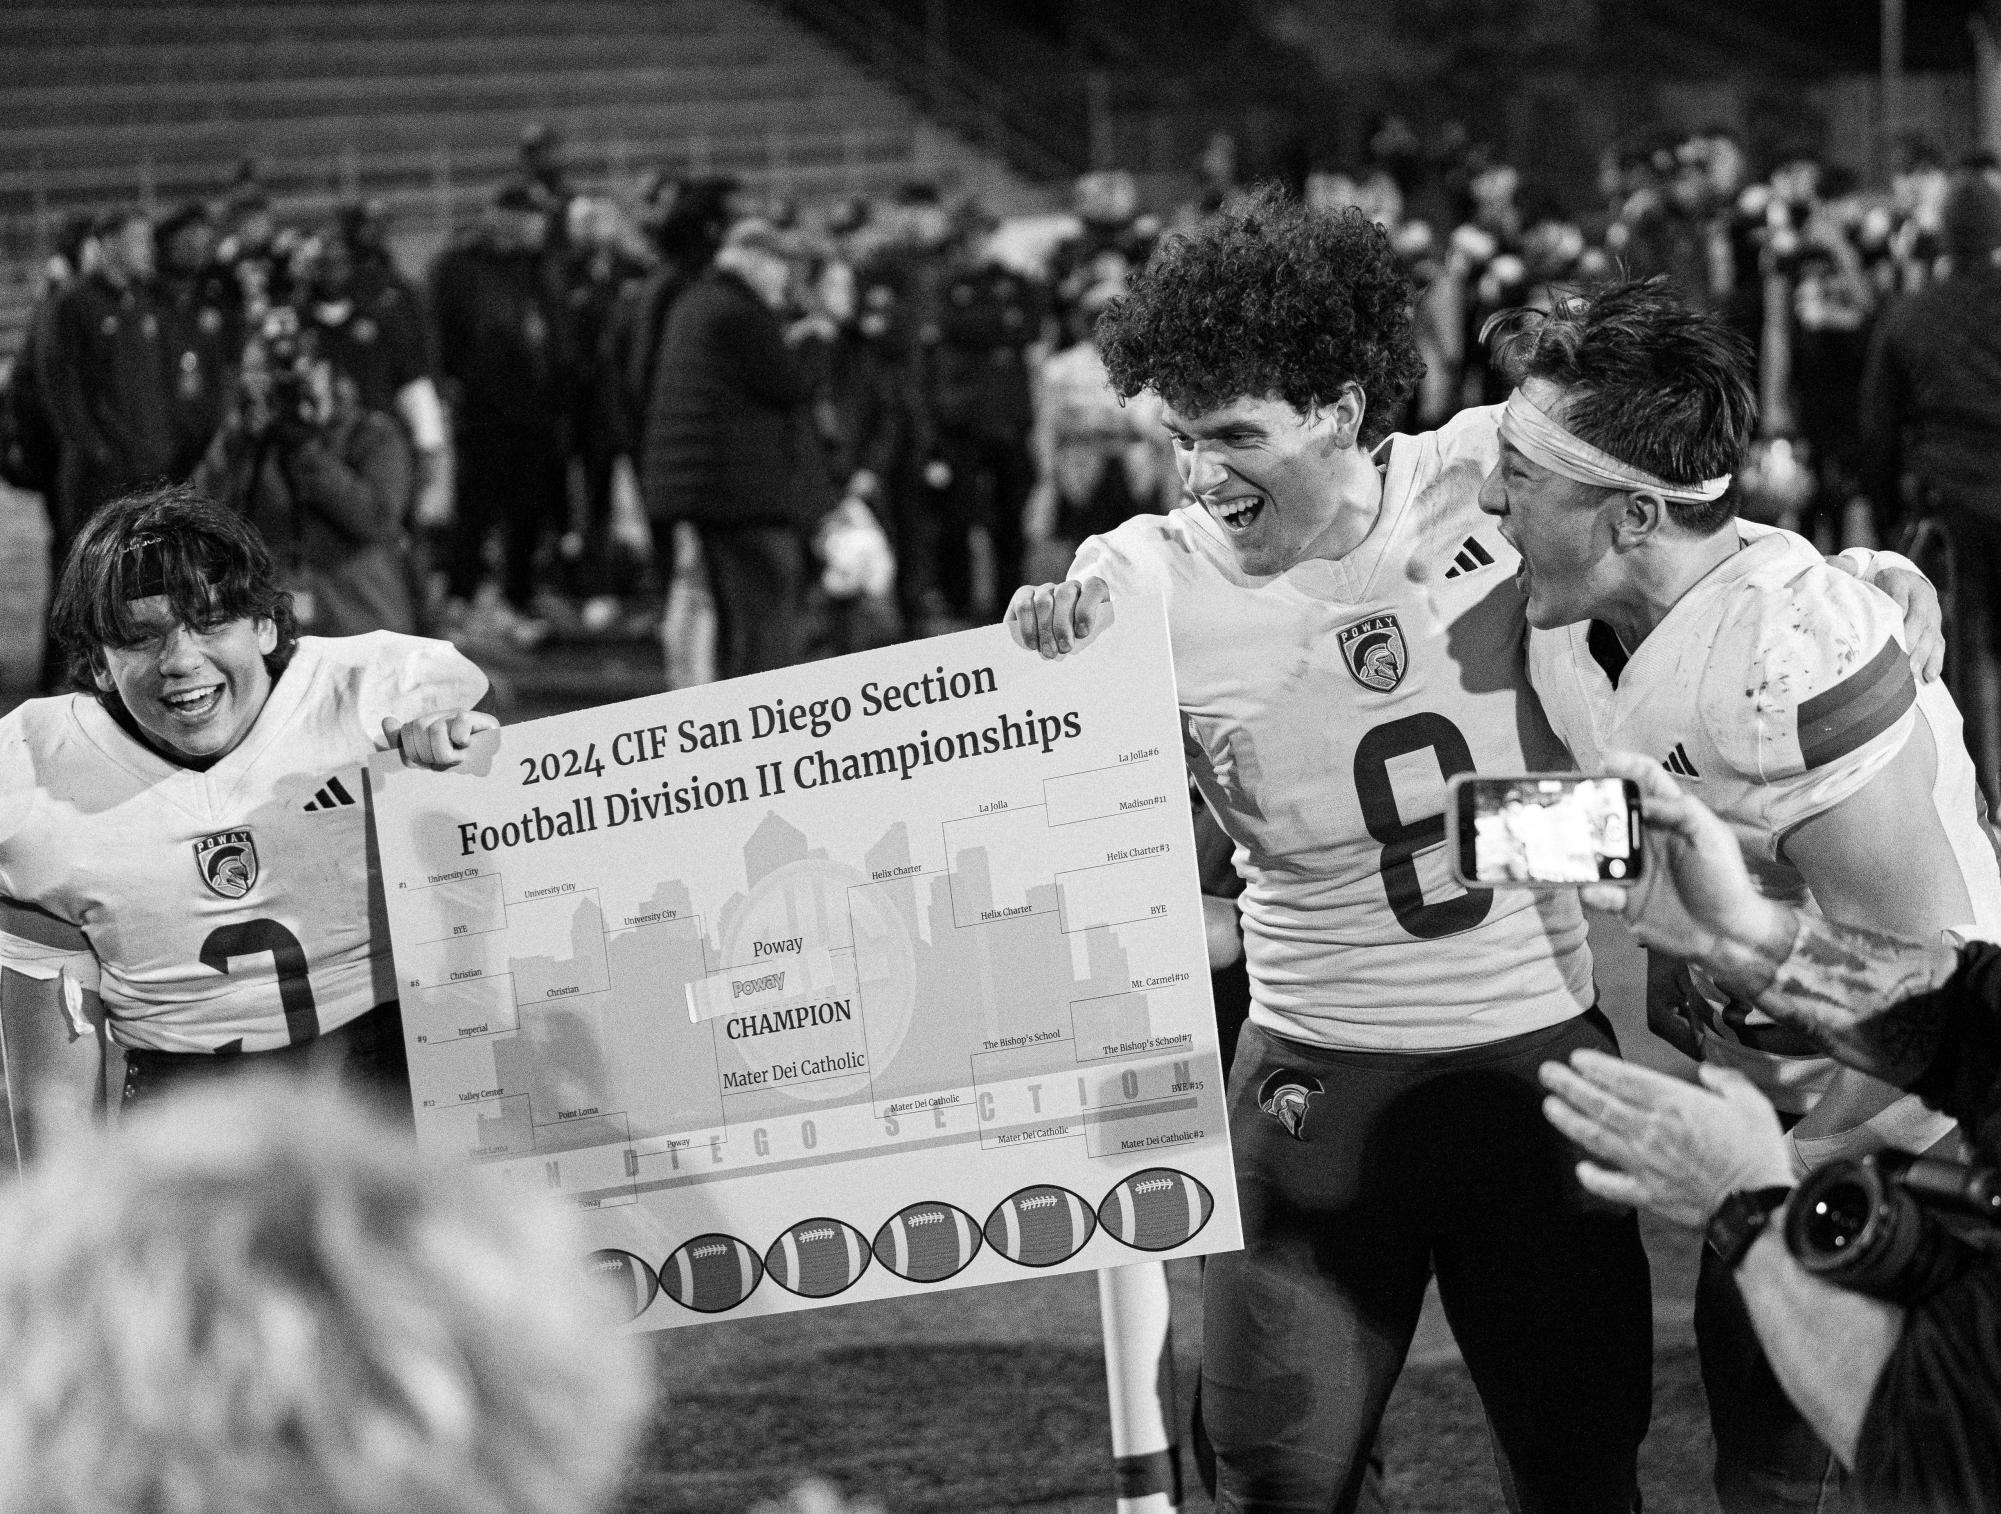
(331,795)
(1471,559)
(1678,764)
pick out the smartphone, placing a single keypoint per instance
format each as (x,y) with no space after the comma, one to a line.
(1543,830)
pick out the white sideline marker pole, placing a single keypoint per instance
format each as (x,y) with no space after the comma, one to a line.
(1139,1372)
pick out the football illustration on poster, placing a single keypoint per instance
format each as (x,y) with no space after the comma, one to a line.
(711,1274)
(1040,1226)
(818,1258)
(1156,1210)
(927,1243)
(626,1283)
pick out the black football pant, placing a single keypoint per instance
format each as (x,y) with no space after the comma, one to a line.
(1405,1165)
(364,1058)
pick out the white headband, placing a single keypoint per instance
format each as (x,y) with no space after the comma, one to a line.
(1532,433)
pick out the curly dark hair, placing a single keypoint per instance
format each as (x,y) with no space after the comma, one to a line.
(1269,299)
(1646,378)
(171,539)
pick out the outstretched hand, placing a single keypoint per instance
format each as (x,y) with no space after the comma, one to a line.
(1057,618)
(438,740)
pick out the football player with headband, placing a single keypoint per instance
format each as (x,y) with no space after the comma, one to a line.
(191,828)
(1348,633)
(1775,686)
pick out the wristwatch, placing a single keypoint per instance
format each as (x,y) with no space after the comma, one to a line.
(1740,1219)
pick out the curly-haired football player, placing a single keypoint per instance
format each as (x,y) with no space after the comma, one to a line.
(1348,634)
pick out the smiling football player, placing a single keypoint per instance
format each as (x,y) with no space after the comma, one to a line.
(199,812)
(1348,633)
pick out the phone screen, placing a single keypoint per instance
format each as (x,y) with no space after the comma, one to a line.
(1547,829)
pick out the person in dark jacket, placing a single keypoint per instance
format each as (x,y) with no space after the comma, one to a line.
(598,271)
(982,318)
(1931,431)
(103,373)
(687,227)
(30,453)
(730,447)
(201,323)
(501,351)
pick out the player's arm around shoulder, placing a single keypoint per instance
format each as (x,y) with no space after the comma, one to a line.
(428,699)
(1914,595)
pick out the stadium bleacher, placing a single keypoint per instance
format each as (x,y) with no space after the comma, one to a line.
(421,106)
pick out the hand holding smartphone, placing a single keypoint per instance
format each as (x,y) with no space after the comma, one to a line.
(1543,830)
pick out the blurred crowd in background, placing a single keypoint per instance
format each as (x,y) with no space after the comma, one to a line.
(769,430)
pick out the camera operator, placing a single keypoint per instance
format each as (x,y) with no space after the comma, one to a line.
(1903,1380)
(324,479)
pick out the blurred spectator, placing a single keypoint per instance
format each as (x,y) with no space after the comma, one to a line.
(201,329)
(686,223)
(269,1302)
(866,405)
(325,480)
(1931,433)
(1832,304)
(1098,459)
(368,320)
(730,448)
(103,372)
(252,247)
(978,322)
(547,177)
(30,449)
(502,354)
(601,266)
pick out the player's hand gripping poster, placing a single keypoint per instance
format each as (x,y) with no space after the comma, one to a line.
(873,976)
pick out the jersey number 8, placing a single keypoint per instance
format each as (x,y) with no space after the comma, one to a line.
(1403,839)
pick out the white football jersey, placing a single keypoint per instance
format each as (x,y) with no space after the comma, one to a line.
(1774,689)
(1322,712)
(238,908)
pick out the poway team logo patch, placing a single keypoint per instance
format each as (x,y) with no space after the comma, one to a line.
(1285,1096)
(227,862)
(1375,652)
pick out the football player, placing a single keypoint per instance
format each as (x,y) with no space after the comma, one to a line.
(199,810)
(1348,633)
(1777,688)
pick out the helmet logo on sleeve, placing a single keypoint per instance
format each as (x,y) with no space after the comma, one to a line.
(227,862)
(1374,649)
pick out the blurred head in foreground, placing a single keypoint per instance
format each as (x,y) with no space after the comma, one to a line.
(261,1300)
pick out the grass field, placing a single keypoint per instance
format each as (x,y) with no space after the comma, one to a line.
(994,1398)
